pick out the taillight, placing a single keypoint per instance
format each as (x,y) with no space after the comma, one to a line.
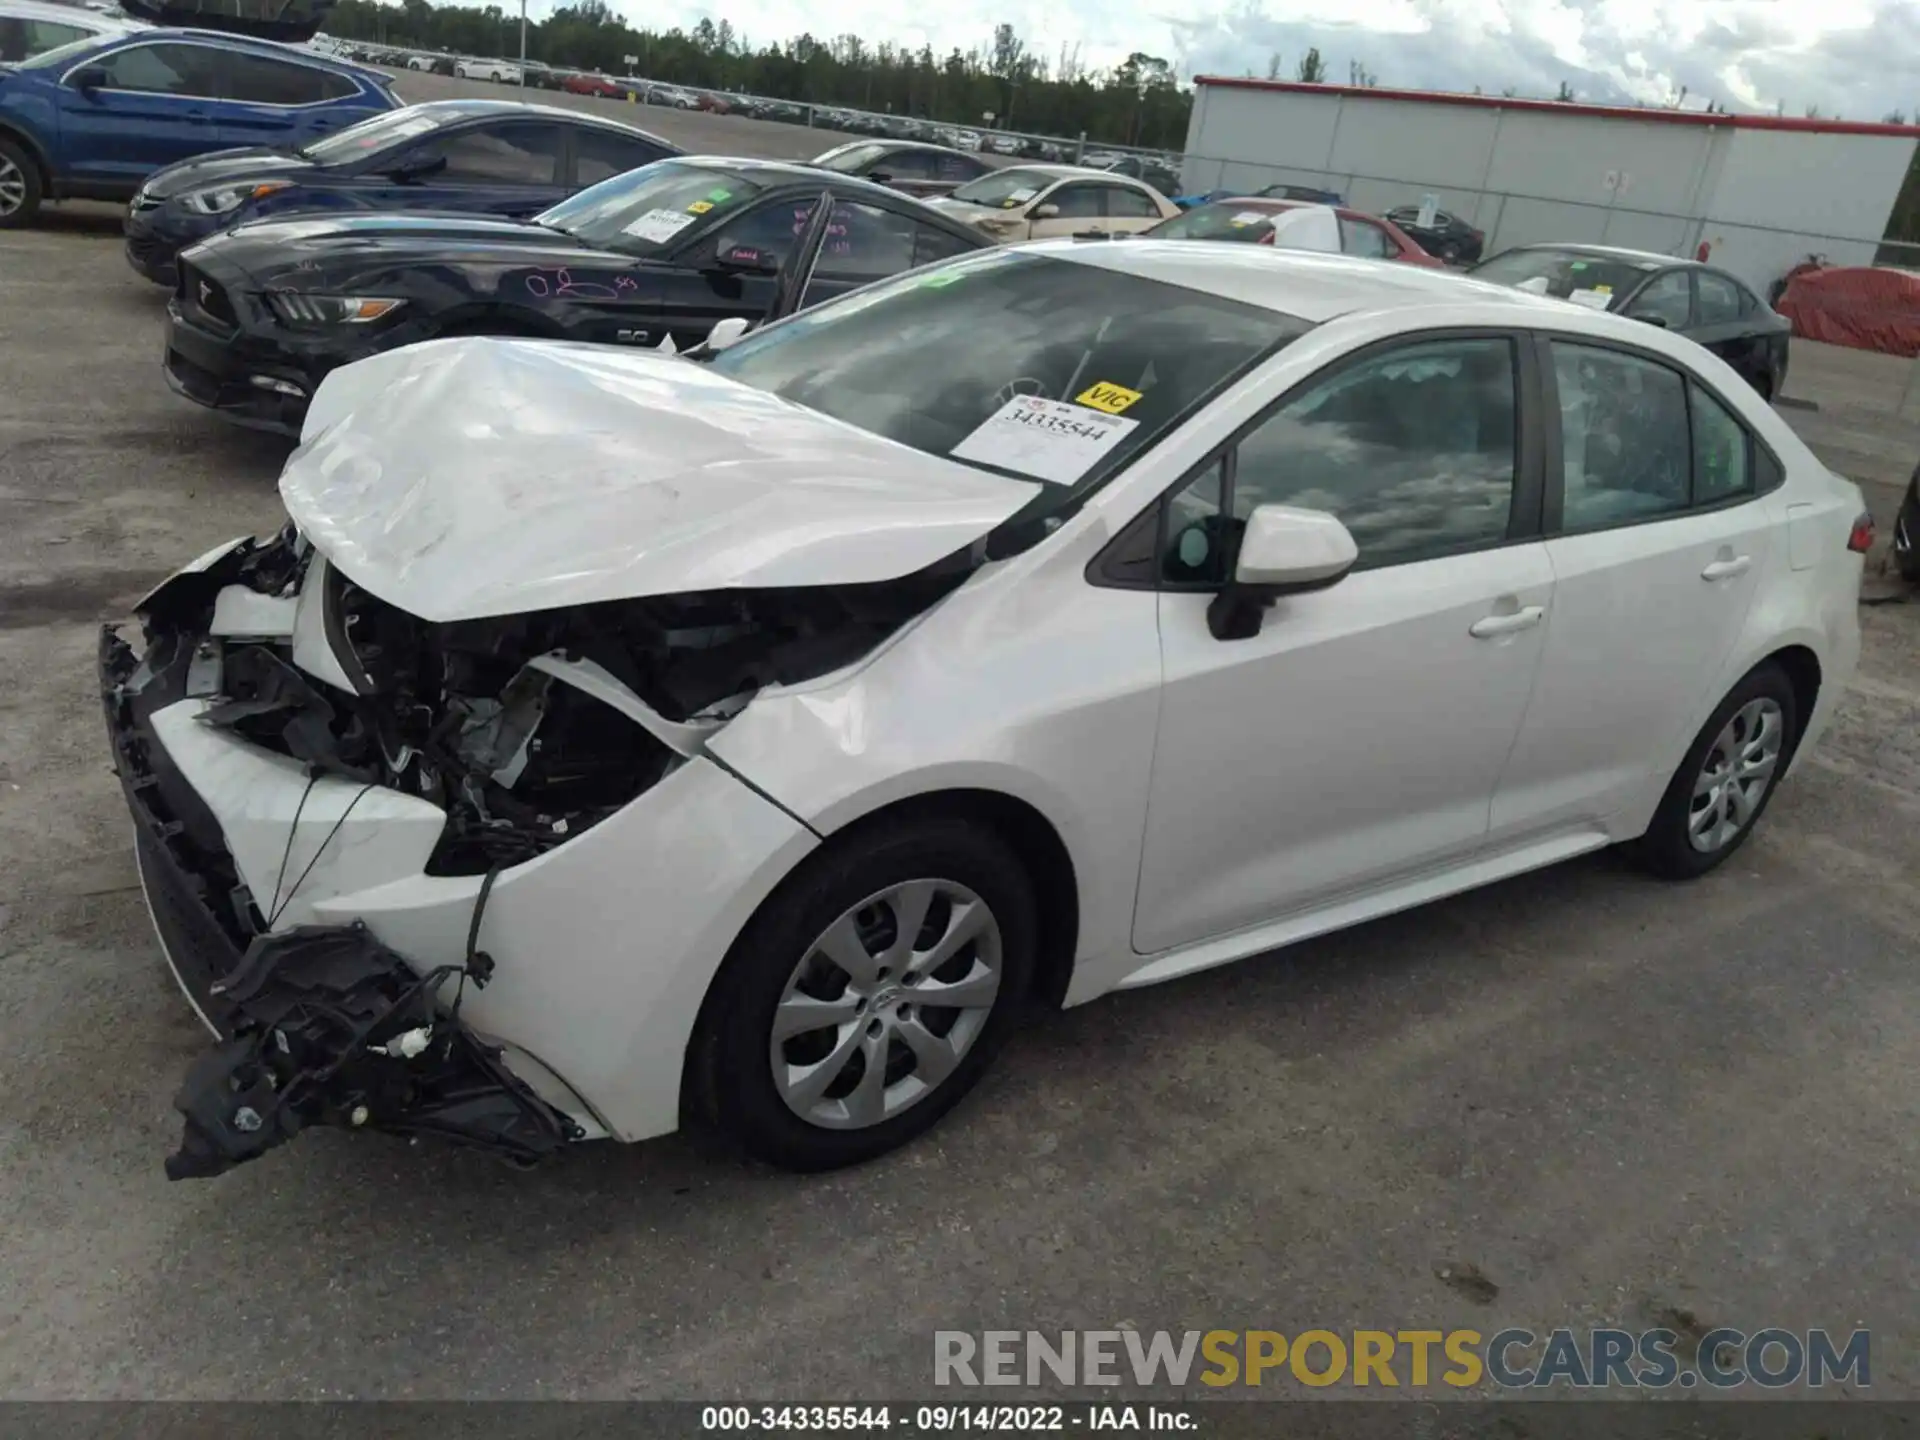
(1860,538)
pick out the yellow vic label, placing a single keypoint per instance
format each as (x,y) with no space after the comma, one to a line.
(1108,397)
(699,207)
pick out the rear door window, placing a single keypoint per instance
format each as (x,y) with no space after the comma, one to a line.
(1130,204)
(602,154)
(258,80)
(1719,298)
(1626,452)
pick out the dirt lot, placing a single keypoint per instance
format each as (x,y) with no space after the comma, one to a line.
(1616,1099)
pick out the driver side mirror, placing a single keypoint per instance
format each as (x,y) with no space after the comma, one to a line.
(89,78)
(1046,212)
(880,177)
(726,332)
(1658,321)
(1284,550)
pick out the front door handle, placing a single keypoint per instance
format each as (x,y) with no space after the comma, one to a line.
(1727,569)
(1494,626)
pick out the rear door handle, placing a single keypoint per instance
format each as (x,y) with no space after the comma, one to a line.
(1727,569)
(1494,626)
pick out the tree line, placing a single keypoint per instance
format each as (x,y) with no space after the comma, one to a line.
(1137,102)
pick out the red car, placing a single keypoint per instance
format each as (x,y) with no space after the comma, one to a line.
(593,85)
(1237,219)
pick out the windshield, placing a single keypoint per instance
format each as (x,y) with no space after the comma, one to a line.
(61,54)
(392,128)
(1223,221)
(849,159)
(1022,364)
(1007,189)
(1565,274)
(644,210)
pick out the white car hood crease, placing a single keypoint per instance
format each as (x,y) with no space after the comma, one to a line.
(467,478)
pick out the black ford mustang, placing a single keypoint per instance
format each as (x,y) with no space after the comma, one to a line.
(261,313)
(1706,305)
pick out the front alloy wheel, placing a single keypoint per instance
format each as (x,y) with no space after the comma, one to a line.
(19,186)
(867,995)
(885,1003)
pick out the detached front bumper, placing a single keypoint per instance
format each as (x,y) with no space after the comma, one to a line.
(314,1025)
(600,950)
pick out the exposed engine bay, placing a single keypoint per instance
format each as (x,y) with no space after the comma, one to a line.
(526,731)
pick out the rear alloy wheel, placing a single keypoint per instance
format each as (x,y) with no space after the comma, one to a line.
(19,186)
(867,996)
(1450,253)
(1727,779)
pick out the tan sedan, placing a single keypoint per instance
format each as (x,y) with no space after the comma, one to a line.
(1043,202)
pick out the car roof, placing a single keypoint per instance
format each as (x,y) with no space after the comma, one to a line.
(1062,171)
(99,21)
(1283,202)
(465,108)
(256,44)
(1612,252)
(1308,284)
(775,172)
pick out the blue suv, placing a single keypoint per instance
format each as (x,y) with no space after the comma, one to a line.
(92,119)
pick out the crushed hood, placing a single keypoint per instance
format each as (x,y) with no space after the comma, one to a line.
(466,478)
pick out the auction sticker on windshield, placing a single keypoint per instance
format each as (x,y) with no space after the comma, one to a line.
(658,226)
(1047,439)
(1107,396)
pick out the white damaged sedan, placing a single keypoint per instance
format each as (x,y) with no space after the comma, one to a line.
(612,740)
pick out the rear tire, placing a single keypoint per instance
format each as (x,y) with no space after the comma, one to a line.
(1906,533)
(1450,253)
(1727,779)
(20,192)
(804,1102)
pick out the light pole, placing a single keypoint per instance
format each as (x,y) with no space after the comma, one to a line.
(523,44)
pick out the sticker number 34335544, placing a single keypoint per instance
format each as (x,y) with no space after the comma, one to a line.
(1046,439)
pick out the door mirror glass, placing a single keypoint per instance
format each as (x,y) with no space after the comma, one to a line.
(89,77)
(1289,548)
(1046,212)
(726,332)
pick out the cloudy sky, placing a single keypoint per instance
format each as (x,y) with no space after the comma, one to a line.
(1857,58)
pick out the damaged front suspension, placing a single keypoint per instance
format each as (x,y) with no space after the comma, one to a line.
(333,1028)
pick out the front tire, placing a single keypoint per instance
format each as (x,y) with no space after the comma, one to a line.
(19,186)
(868,994)
(1728,778)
